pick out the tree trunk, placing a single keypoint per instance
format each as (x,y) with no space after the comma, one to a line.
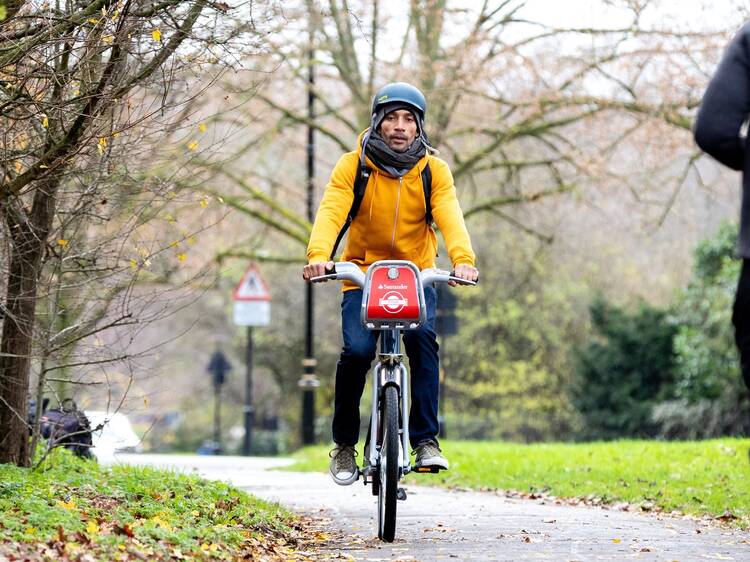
(28,236)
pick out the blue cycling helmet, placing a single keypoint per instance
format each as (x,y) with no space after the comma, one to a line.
(403,94)
(393,96)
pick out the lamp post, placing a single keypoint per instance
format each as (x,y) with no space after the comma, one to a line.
(309,381)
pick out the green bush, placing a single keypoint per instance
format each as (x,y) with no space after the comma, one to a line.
(624,371)
(709,398)
(706,354)
(506,371)
(668,374)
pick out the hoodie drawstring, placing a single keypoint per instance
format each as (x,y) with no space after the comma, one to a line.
(374,188)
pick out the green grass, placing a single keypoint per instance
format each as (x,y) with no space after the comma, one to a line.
(695,477)
(74,507)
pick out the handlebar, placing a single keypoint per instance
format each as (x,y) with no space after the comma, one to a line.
(431,275)
(343,270)
(351,272)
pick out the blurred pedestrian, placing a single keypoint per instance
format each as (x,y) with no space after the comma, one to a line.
(721,130)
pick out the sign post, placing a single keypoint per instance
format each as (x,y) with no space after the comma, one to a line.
(252,307)
(218,367)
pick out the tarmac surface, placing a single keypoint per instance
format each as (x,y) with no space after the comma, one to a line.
(440,524)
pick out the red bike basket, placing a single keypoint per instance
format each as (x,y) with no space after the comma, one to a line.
(394,295)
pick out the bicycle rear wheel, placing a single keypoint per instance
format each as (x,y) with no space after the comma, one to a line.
(388,471)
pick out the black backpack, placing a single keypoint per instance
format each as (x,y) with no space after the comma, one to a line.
(68,427)
(360,184)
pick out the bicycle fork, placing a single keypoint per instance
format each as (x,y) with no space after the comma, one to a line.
(389,371)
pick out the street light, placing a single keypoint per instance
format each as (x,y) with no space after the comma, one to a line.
(309,381)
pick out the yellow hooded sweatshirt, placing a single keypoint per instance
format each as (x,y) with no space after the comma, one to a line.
(391,221)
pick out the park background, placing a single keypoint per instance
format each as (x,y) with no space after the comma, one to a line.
(604,239)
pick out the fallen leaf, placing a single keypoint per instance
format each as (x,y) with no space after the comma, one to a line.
(125,529)
(156,34)
(161,523)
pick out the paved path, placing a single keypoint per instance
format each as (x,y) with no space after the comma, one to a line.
(438,524)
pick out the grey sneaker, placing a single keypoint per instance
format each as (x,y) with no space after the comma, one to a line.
(343,465)
(428,454)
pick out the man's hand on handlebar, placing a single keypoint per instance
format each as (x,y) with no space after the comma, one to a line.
(464,271)
(316,269)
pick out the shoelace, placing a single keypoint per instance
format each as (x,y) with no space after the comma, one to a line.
(428,449)
(346,462)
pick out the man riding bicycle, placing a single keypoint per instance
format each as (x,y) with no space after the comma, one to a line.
(406,187)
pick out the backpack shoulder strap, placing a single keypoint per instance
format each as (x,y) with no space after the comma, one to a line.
(427,188)
(360,184)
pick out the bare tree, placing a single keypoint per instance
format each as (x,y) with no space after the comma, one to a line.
(522,111)
(89,90)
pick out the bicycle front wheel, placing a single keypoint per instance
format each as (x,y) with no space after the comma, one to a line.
(389,466)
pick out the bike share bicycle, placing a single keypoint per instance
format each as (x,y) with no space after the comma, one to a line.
(393,300)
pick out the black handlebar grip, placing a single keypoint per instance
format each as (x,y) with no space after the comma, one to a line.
(453,274)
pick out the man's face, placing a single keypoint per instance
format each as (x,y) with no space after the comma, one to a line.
(399,129)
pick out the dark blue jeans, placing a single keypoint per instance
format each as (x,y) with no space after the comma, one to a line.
(356,358)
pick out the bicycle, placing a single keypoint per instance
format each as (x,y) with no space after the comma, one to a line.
(392,301)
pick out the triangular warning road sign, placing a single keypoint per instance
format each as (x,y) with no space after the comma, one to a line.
(251,287)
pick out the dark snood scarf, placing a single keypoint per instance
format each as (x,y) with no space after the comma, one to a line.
(385,158)
(395,163)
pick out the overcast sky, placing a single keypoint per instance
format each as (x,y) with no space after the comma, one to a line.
(682,14)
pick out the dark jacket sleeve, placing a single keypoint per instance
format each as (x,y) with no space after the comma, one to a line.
(726,105)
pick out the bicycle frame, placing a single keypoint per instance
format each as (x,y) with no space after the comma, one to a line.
(383,374)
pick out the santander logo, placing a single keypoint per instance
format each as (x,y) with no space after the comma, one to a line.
(393,302)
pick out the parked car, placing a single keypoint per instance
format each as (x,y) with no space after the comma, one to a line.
(116,434)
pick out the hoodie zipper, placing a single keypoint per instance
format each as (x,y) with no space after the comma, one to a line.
(395,219)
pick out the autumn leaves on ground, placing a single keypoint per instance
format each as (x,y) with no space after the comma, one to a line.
(703,479)
(73,509)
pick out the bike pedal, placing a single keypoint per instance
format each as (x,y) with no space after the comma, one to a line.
(401,494)
(427,469)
